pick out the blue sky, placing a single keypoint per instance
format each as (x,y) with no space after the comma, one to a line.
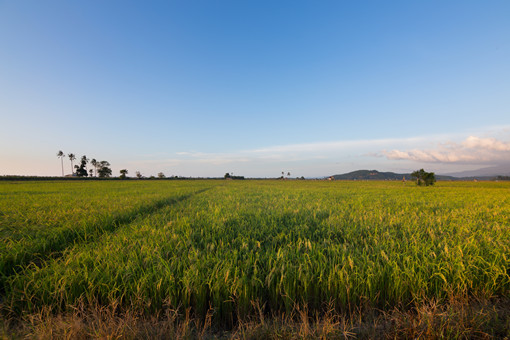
(200,88)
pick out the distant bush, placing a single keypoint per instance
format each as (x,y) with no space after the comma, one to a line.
(424,178)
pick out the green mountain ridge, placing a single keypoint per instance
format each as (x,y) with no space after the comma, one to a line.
(364,175)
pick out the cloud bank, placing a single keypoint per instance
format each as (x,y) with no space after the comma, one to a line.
(473,150)
(317,159)
(307,159)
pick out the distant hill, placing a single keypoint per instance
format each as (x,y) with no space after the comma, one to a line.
(371,174)
(501,170)
(363,175)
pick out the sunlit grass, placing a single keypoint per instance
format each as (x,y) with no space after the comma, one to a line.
(280,243)
(38,220)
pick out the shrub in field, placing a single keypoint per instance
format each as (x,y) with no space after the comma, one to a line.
(104,169)
(424,178)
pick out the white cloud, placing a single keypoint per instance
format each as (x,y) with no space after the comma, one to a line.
(295,152)
(447,152)
(486,143)
(473,150)
(273,159)
(333,146)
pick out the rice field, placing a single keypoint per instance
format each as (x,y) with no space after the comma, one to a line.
(231,249)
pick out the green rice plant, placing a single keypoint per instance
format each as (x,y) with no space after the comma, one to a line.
(40,220)
(283,244)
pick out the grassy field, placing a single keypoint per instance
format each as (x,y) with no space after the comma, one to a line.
(225,253)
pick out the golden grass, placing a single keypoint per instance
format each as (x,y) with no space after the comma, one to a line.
(461,318)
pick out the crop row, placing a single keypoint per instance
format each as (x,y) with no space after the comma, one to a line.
(39,220)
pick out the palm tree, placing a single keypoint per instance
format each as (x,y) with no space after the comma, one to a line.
(94,164)
(61,155)
(86,160)
(72,157)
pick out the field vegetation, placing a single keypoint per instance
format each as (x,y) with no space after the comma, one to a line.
(255,258)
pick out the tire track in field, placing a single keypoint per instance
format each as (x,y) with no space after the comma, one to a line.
(38,254)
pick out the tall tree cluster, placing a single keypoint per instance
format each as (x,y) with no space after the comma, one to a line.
(101,169)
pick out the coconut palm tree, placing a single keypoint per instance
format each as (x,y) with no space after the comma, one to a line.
(94,164)
(61,155)
(86,160)
(72,157)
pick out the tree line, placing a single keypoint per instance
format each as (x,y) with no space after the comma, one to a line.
(100,169)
